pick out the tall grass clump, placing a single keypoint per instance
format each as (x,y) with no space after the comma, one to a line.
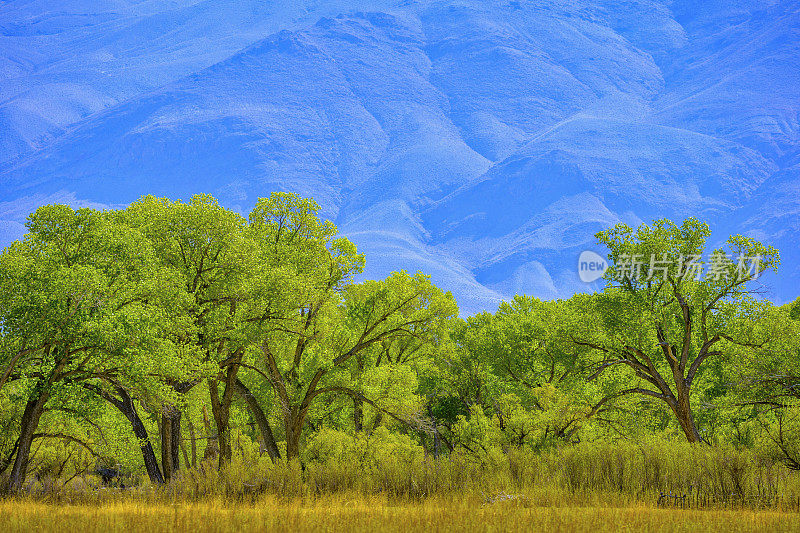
(707,475)
(392,466)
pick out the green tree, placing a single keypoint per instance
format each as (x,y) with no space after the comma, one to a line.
(312,323)
(522,368)
(767,381)
(661,321)
(82,297)
(207,246)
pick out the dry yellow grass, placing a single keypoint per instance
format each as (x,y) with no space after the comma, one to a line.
(364,514)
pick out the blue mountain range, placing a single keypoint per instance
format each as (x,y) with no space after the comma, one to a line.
(483,142)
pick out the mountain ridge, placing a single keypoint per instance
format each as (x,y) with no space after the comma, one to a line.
(484,143)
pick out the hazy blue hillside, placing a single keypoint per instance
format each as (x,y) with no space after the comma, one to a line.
(482,142)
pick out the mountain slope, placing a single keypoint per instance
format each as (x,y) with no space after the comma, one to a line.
(483,142)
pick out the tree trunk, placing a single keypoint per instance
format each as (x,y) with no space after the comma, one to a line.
(170,441)
(265,431)
(175,444)
(150,462)
(126,406)
(212,447)
(30,422)
(220,409)
(185,453)
(436,444)
(193,439)
(294,426)
(358,414)
(683,412)
(166,439)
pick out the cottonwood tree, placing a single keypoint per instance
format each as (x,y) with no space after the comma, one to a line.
(207,246)
(314,321)
(400,306)
(385,375)
(526,347)
(661,316)
(767,380)
(770,375)
(82,297)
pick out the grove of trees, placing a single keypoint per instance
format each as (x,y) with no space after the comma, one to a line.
(168,335)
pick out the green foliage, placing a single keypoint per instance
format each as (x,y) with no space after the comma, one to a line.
(84,296)
(169,333)
(667,329)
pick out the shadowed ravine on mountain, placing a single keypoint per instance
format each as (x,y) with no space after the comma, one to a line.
(483,143)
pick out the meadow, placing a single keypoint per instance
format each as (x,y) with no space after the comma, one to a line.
(343,513)
(585,487)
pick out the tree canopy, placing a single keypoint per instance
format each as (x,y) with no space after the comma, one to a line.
(171,331)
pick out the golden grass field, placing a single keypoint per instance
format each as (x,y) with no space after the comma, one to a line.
(363,514)
(594,488)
